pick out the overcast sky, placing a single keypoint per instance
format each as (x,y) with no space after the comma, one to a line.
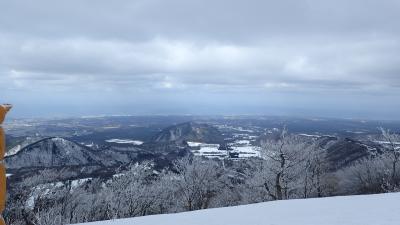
(289,57)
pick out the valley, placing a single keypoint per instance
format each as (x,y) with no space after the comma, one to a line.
(47,159)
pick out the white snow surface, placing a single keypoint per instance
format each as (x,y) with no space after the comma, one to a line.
(125,141)
(207,150)
(381,209)
(247,151)
(243,142)
(194,144)
(310,135)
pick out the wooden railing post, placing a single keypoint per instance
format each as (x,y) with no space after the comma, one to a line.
(3,177)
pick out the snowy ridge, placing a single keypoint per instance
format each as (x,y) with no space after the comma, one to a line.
(381,209)
(53,151)
(26,142)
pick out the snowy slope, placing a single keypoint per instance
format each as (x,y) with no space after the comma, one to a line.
(51,152)
(383,209)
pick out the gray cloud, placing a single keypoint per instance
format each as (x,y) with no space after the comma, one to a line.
(172,53)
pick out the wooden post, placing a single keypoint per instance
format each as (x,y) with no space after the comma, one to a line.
(3,177)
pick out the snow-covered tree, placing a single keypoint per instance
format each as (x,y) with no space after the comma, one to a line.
(392,150)
(198,182)
(367,176)
(130,194)
(285,162)
(315,168)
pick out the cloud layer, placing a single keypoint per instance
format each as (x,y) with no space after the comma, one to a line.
(300,57)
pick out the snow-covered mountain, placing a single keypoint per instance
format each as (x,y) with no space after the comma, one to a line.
(52,152)
(28,141)
(59,152)
(381,209)
(190,131)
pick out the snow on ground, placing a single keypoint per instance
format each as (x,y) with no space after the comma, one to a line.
(89,145)
(387,143)
(241,129)
(194,144)
(111,127)
(14,150)
(242,142)
(17,148)
(125,141)
(79,182)
(310,135)
(243,147)
(382,209)
(247,151)
(207,150)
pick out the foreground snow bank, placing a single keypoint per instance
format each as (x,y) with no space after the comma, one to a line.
(382,209)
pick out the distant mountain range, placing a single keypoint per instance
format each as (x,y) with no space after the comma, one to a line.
(59,152)
(165,147)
